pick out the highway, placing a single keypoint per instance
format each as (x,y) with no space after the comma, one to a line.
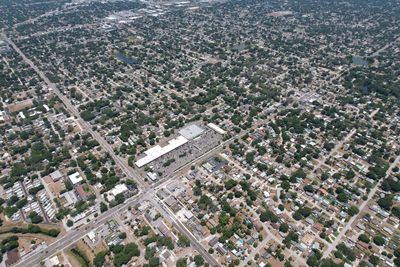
(128,171)
(146,191)
(169,215)
(34,258)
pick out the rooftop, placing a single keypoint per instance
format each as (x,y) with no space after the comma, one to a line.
(75,178)
(191,132)
(158,151)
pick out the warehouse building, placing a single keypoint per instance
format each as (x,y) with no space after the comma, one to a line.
(158,151)
(186,134)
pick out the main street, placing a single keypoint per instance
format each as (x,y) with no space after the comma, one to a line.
(71,237)
(122,164)
(146,191)
(170,216)
(35,257)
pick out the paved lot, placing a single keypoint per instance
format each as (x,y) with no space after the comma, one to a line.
(186,153)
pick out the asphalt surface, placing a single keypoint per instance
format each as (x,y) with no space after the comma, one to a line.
(147,192)
(34,258)
(349,224)
(129,172)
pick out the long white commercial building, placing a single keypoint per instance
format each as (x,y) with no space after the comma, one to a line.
(216,128)
(158,151)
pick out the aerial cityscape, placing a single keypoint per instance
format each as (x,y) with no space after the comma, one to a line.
(250,133)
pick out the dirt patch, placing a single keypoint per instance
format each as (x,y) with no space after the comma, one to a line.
(71,258)
(274,262)
(99,247)
(55,187)
(85,249)
(19,106)
(25,240)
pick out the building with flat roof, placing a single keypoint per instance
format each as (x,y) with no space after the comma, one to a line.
(75,178)
(158,151)
(216,128)
(152,176)
(50,262)
(192,131)
(70,198)
(56,175)
(118,189)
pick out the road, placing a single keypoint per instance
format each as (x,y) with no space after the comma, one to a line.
(334,150)
(252,255)
(371,194)
(297,259)
(377,52)
(71,237)
(169,215)
(35,257)
(340,144)
(129,172)
(146,191)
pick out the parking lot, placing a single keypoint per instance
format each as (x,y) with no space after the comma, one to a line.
(193,149)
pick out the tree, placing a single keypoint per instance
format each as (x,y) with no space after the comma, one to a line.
(284,228)
(182,262)
(312,261)
(350,174)
(204,202)
(183,241)
(103,207)
(122,235)
(35,217)
(308,188)
(68,185)
(197,191)
(285,185)
(250,157)
(396,211)
(291,236)
(379,240)
(123,254)
(21,203)
(342,197)
(120,198)
(154,261)
(230,184)
(100,258)
(324,176)
(299,174)
(268,216)
(374,260)
(167,242)
(353,210)
(386,202)
(364,238)
(70,223)
(297,215)
(198,260)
